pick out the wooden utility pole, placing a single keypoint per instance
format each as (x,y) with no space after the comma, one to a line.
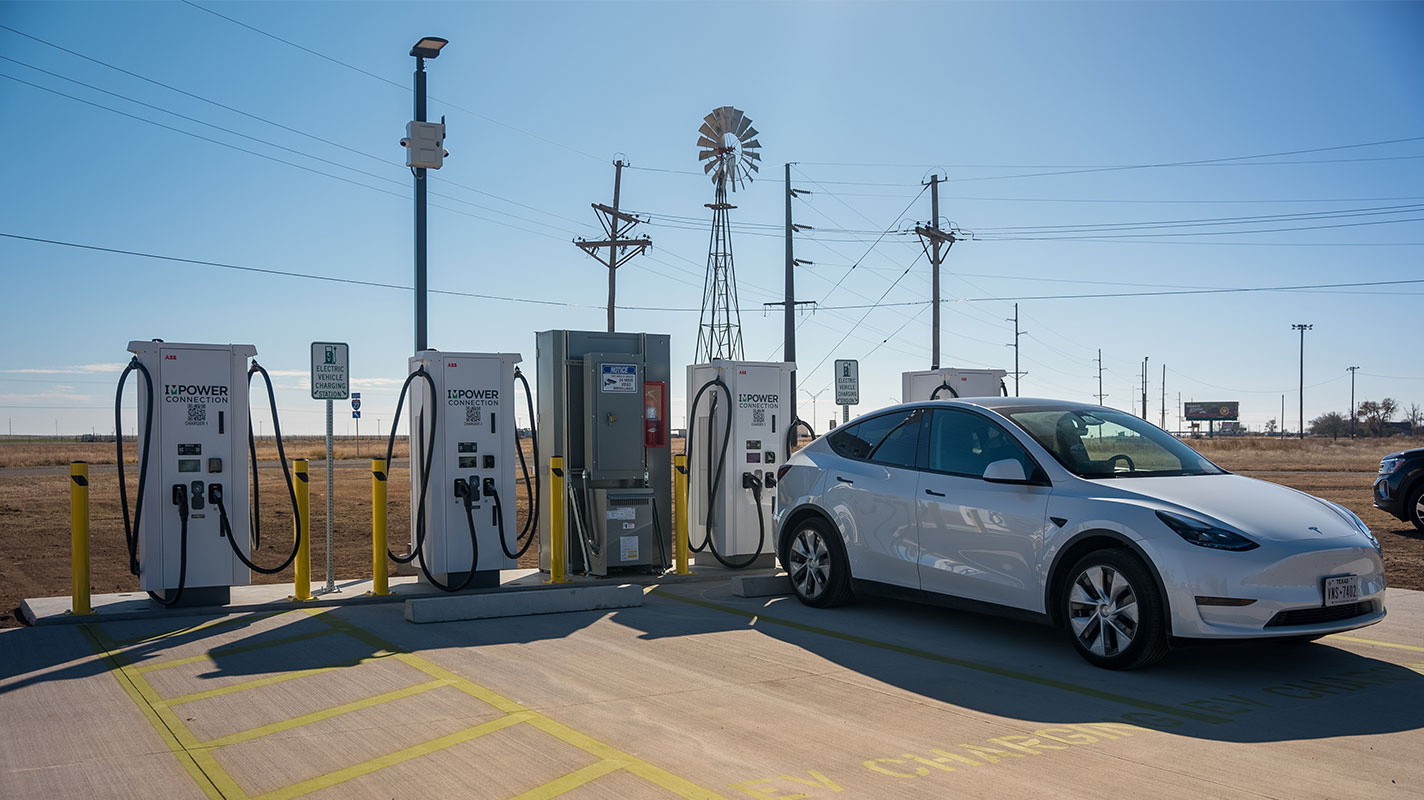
(932,234)
(616,225)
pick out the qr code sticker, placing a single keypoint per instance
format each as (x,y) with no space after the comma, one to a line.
(758,416)
(472,415)
(197,414)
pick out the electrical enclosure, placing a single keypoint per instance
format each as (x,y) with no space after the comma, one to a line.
(761,411)
(475,437)
(425,144)
(923,384)
(603,409)
(198,437)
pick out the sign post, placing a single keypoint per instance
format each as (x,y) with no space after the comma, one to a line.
(847,386)
(356,415)
(330,380)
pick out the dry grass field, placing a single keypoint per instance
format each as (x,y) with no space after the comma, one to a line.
(34,508)
(50,452)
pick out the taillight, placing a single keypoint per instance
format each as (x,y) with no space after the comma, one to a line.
(781,472)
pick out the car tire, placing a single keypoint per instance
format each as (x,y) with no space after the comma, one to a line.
(1113,612)
(816,564)
(1414,507)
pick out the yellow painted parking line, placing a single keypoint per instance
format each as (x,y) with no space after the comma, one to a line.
(160,726)
(1378,643)
(231,650)
(220,622)
(211,778)
(249,685)
(326,713)
(604,752)
(367,767)
(1002,672)
(571,781)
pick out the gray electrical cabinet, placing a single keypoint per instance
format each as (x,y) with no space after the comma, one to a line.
(603,409)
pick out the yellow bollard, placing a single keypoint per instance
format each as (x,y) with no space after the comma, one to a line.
(301,589)
(380,578)
(79,537)
(679,514)
(558,553)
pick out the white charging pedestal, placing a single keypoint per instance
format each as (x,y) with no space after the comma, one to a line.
(759,417)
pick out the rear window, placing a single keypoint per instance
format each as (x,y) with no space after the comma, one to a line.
(887,439)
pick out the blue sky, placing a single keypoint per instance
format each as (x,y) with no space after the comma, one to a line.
(867,98)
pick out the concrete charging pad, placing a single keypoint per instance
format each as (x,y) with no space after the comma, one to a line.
(517,604)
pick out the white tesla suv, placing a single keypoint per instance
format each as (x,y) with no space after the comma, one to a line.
(1076,515)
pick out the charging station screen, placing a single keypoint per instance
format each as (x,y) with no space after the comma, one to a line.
(469,462)
(190,465)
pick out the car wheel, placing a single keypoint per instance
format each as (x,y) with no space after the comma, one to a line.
(817,565)
(1415,507)
(1112,610)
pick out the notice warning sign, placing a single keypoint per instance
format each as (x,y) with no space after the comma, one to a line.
(619,379)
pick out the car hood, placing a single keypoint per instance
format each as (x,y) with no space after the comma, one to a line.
(1257,508)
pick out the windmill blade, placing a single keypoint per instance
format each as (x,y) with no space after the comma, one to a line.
(734,120)
(751,133)
(706,154)
(751,145)
(755,166)
(704,141)
(707,167)
(718,124)
(708,129)
(743,126)
(751,153)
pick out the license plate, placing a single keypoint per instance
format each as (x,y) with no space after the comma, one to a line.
(1342,590)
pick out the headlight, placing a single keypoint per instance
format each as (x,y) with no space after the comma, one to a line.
(1389,465)
(1205,535)
(1354,519)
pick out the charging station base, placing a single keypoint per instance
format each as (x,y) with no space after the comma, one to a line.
(194,596)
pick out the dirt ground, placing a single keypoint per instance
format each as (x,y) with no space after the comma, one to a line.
(34,511)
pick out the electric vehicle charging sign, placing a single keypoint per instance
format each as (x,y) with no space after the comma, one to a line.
(330,371)
(847,382)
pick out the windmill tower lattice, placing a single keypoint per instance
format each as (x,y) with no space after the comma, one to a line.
(730,155)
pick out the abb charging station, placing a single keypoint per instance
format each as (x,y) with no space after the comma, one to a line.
(738,422)
(193,431)
(462,421)
(947,383)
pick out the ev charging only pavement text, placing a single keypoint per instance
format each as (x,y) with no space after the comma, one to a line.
(696,694)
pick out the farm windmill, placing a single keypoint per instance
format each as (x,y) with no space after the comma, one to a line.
(730,152)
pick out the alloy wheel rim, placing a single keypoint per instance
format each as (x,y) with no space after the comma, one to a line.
(1103,611)
(1419,508)
(810,563)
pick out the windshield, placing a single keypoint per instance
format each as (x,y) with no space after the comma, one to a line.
(1103,443)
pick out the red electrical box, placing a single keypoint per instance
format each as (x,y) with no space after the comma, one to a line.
(655,414)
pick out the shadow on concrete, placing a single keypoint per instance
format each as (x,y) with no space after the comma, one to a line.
(1240,692)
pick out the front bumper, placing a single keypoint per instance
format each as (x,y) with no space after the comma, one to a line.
(1285,579)
(1387,497)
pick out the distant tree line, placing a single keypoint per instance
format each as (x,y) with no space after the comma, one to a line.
(1372,419)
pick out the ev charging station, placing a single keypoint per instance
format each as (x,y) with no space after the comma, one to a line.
(737,437)
(193,430)
(462,421)
(603,409)
(947,383)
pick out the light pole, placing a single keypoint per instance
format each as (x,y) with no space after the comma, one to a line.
(1352,400)
(429,47)
(1302,328)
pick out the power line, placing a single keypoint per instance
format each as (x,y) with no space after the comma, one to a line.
(382,79)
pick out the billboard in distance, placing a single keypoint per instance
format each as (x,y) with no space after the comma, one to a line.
(1207,411)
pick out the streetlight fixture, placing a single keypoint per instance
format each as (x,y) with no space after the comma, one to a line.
(1302,328)
(428,47)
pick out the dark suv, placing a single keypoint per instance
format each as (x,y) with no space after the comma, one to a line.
(1399,489)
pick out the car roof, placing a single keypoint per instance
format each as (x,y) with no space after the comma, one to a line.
(1001,405)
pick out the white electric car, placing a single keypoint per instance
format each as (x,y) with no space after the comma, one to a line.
(1078,515)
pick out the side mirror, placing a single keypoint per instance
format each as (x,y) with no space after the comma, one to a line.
(1008,470)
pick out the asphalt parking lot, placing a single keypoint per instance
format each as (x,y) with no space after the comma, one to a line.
(697,693)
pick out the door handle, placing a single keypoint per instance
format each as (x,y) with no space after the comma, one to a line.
(933,493)
(847,481)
